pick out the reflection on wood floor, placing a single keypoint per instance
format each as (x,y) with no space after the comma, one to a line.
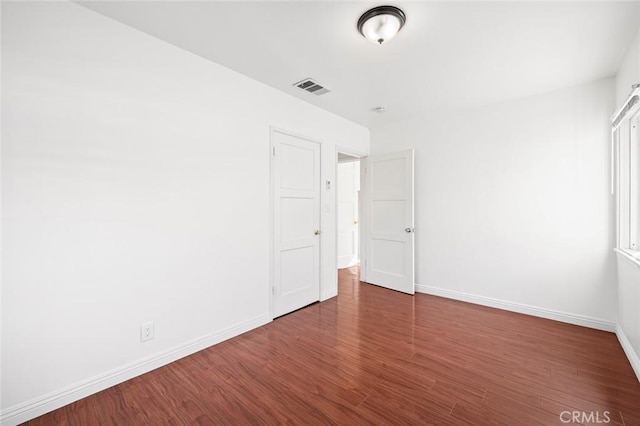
(376,356)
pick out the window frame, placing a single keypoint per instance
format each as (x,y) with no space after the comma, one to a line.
(626,143)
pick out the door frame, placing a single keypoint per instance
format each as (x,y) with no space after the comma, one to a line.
(271,289)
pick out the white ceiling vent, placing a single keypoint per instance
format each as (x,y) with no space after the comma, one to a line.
(312,87)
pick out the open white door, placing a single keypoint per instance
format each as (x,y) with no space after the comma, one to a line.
(389,245)
(296,222)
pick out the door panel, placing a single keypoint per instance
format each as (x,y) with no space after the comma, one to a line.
(296,273)
(386,214)
(296,162)
(388,176)
(296,219)
(389,242)
(388,257)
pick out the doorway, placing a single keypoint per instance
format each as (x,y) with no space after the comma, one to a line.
(348,212)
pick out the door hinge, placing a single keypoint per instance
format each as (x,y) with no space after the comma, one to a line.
(273,290)
(274,151)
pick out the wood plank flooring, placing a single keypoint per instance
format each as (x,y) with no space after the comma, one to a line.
(375,356)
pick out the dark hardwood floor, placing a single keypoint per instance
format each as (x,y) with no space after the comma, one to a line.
(375,356)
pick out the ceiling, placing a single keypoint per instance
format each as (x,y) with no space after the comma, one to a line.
(449,54)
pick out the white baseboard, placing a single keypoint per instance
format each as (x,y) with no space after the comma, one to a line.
(522,308)
(632,355)
(41,405)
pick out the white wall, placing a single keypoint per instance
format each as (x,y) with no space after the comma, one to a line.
(135,188)
(512,203)
(629,274)
(629,71)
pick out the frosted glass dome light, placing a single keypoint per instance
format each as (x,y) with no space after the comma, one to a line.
(381,23)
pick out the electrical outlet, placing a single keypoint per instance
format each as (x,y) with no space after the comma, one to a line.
(146,331)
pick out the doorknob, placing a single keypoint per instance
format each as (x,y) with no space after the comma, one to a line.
(317,232)
(408,230)
(355,222)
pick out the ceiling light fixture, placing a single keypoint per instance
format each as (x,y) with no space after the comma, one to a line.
(381,23)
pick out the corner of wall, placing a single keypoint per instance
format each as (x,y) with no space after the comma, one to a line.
(629,70)
(633,357)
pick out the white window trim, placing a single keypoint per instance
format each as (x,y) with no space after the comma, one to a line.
(625,143)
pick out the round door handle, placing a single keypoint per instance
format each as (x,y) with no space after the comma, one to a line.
(317,232)
(408,230)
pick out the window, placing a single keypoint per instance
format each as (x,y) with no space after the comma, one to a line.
(626,143)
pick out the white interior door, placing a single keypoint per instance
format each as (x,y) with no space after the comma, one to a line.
(296,222)
(389,239)
(348,188)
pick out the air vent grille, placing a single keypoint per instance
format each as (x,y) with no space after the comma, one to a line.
(312,87)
